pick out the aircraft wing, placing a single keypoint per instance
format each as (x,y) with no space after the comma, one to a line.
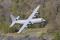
(34,12)
(25,25)
(28,20)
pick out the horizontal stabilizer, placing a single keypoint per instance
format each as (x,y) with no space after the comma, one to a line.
(14,19)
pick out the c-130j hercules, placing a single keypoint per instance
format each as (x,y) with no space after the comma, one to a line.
(29,20)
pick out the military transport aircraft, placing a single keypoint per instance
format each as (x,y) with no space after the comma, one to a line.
(30,20)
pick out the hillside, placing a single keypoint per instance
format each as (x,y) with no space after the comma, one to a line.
(49,10)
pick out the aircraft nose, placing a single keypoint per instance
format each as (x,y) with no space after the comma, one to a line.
(44,20)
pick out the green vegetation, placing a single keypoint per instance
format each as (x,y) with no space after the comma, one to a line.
(4,27)
(56,36)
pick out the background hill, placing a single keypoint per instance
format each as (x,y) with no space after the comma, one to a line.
(49,10)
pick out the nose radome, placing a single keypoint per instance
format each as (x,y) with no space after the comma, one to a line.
(44,20)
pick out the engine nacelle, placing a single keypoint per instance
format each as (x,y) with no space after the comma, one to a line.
(30,23)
